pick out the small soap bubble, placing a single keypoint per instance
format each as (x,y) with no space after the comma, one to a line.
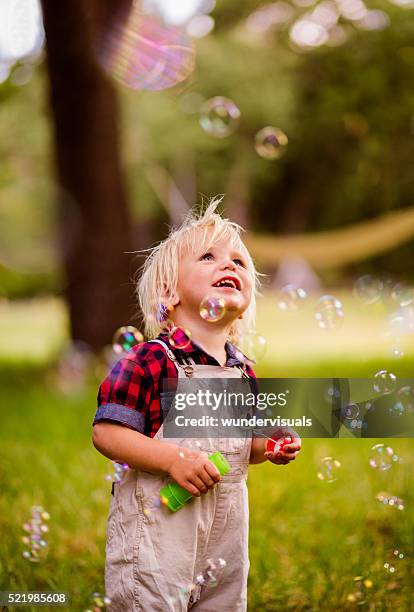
(395,559)
(405,397)
(397,352)
(119,470)
(253,345)
(368,289)
(163,312)
(328,469)
(291,298)
(384,382)
(403,294)
(351,411)
(271,143)
(98,602)
(362,586)
(179,338)
(125,338)
(191,450)
(219,117)
(212,309)
(382,457)
(329,312)
(387,499)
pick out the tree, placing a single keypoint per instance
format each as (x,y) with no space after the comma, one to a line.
(84,108)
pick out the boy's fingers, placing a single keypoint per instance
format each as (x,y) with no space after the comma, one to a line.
(197,482)
(207,479)
(213,471)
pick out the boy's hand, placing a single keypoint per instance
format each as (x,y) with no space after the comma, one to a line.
(288,453)
(194,472)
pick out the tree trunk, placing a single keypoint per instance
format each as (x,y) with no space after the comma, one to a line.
(85,111)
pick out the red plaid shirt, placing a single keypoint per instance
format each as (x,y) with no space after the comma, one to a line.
(130,394)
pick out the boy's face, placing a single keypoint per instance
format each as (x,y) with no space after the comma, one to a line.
(200,276)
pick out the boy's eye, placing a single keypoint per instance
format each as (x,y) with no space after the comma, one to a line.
(206,255)
(239,262)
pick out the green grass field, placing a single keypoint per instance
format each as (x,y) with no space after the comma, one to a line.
(308,539)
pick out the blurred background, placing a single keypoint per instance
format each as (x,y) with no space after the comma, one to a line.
(117,117)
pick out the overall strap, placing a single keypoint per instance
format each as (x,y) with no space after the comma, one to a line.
(187,368)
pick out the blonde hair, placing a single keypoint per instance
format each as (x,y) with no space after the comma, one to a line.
(159,273)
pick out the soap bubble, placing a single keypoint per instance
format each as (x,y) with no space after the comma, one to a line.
(253,345)
(191,450)
(270,143)
(328,469)
(384,382)
(368,289)
(219,117)
(164,312)
(119,470)
(403,294)
(212,308)
(98,602)
(179,338)
(73,368)
(142,52)
(329,312)
(291,298)
(125,338)
(382,457)
(397,352)
(401,322)
(394,561)
(350,412)
(390,500)
(405,397)
(35,528)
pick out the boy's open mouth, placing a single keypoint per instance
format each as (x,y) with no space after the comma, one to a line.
(228,282)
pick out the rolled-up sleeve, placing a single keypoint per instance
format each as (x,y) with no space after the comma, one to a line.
(124,396)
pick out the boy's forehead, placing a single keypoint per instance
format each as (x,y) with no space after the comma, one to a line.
(201,240)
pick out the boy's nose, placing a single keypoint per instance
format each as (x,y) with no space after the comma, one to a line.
(229,264)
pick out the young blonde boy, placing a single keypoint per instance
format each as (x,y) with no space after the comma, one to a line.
(158,560)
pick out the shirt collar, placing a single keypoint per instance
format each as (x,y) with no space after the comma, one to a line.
(234,355)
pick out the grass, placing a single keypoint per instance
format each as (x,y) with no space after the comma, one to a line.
(309,539)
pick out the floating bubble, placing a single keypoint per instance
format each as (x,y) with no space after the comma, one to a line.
(119,470)
(73,368)
(328,469)
(382,457)
(98,602)
(405,397)
(179,338)
(368,289)
(390,500)
(397,352)
(270,143)
(403,294)
(212,308)
(329,312)
(291,298)
(373,20)
(125,338)
(164,312)
(351,411)
(35,527)
(384,382)
(219,117)
(142,52)
(253,345)
(401,322)
(394,563)
(191,450)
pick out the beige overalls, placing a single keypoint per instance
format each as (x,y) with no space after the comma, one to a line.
(151,557)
